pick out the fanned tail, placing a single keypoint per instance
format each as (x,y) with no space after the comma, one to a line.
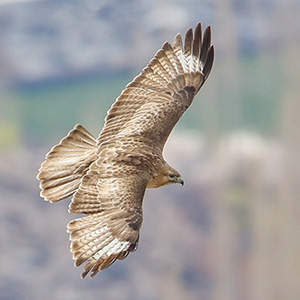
(66,163)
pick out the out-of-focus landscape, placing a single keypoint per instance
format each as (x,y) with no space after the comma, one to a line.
(233,231)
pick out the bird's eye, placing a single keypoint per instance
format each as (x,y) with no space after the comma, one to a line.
(172,176)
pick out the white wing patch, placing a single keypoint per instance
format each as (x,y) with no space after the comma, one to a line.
(114,247)
(93,241)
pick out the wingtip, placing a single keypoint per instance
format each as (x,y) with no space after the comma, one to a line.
(207,35)
(189,31)
(209,61)
(198,26)
(177,41)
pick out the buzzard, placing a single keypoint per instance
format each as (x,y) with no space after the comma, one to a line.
(108,175)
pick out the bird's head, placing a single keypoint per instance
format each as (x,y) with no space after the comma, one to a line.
(167,176)
(175,178)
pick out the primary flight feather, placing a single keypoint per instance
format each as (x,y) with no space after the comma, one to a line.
(108,176)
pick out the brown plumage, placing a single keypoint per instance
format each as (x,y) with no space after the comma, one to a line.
(108,176)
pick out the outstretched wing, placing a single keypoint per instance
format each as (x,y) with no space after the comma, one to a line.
(155,100)
(110,230)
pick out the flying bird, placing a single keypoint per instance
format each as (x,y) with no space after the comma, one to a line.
(108,175)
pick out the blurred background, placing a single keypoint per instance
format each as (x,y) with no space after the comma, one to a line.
(232,232)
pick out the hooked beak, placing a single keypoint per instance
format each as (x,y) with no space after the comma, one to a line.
(181,182)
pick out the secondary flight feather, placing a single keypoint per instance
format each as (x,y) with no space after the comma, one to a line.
(108,175)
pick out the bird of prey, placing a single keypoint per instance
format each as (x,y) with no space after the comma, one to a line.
(108,175)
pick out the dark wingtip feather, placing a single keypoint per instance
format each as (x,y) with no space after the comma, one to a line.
(209,61)
(206,43)
(87,269)
(197,39)
(188,42)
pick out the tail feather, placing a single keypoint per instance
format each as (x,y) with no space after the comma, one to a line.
(66,163)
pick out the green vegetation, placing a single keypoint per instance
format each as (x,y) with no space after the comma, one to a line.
(47,110)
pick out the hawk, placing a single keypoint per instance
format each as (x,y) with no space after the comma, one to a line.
(108,175)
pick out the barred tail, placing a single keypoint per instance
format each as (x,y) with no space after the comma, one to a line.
(66,163)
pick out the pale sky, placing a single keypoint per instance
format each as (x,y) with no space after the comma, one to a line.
(15,1)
